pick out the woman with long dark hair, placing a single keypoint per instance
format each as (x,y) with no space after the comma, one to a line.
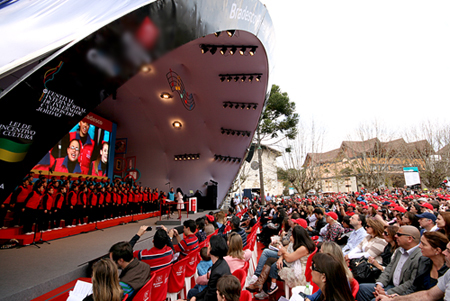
(389,236)
(329,275)
(291,264)
(443,223)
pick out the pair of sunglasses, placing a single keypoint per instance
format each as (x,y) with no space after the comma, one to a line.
(313,267)
(404,234)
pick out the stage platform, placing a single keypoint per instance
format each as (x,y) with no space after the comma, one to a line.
(29,272)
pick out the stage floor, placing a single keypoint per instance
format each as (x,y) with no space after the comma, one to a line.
(29,272)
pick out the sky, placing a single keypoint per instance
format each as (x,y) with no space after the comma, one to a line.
(347,63)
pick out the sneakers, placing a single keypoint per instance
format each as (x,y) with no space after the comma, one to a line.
(253,279)
(272,290)
(262,295)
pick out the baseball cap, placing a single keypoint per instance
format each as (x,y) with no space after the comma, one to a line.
(399,209)
(427,215)
(332,215)
(301,222)
(427,205)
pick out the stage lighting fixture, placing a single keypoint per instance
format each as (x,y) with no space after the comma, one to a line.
(229,78)
(217,34)
(242,51)
(204,48)
(248,107)
(223,50)
(250,78)
(236,106)
(213,49)
(222,78)
(255,106)
(166,95)
(145,69)
(236,78)
(232,50)
(233,132)
(252,51)
(243,78)
(177,124)
(230,33)
(243,106)
(222,131)
(225,105)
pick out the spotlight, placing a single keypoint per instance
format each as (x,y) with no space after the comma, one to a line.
(145,69)
(254,106)
(236,106)
(228,132)
(198,156)
(223,50)
(243,78)
(232,50)
(215,158)
(222,78)
(204,48)
(252,51)
(248,107)
(177,124)
(213,49)
(233,132)
(230,33)
(166,96)
(258,78)
(234,160)
(222,131)
(188,157)
(242,51)
(236,78)
(175,158)
(243,106)
(229,78)
(184,158)
(239,160)
(225,105)
(217,34)
(250,78)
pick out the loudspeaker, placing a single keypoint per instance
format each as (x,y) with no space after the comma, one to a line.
(250,153)
(210,202)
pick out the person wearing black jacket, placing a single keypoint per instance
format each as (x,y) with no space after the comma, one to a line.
(217,249)
(320,223)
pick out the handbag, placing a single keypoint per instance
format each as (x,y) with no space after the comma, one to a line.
(363,271)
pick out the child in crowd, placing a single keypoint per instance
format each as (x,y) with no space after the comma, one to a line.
(202,268)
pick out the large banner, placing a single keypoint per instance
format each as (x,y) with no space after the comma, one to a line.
(84,150)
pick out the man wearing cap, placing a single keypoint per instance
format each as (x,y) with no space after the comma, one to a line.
(400,273)
(334,228)
(427,222)
(358,221)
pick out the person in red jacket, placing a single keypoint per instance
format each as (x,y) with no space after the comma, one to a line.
(46,207)
(70,164)
(60,207)
(86,147)
(31,207)
(72,208)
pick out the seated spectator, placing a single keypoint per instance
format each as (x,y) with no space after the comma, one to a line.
(427,222)
(410,219)
(209,224)
(135,273)
(202,268)
(220,221)
(217,250)
(329,274)
(201,235)
(358,222)
(372,245)
(334,228)
(251,221)
(320,222)
(189,242)
(236,256)
(443,222)
(228,288)
(235,223)
(105,282)
(437,292)
(398,276)
(389,236)
(333,248)
(161,255)
(432,263)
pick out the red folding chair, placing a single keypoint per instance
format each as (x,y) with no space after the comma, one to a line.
(245,296)
(176,279)
(191,269)
(308,271)
(159,288)
(354,285)
(144,294)
(241,275)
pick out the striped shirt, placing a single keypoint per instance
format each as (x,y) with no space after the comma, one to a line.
(156,258)
(187,245)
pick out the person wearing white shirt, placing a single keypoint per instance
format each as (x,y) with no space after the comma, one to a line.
(358,222)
